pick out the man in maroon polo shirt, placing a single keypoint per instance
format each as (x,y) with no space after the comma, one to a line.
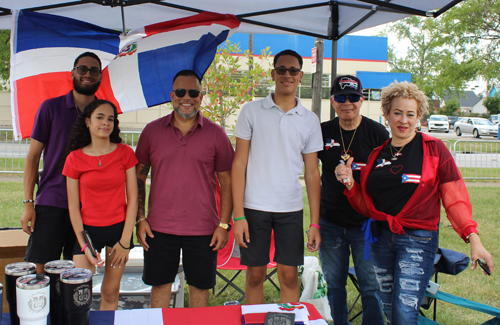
(184,151)
(51,130)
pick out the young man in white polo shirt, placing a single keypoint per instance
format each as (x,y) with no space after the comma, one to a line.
(275,138)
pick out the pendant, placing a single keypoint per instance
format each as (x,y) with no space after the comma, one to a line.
(398,154)
(345,156)
(100,164)
(394,158)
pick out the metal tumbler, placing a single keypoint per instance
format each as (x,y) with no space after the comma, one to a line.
(76,294)
(53,270)
(12,272)
(33,299)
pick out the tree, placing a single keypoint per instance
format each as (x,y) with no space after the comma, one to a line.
(492,103)
(451,107)
(227,86)
(4,59)
(434,66)
(472,28)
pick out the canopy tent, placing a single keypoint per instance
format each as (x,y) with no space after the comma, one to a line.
(323,19)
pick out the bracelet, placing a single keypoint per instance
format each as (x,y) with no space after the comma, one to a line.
(140,219)
(85,246)
(313,225)
(472,233)
(122,246)
(28,201)
(240,218)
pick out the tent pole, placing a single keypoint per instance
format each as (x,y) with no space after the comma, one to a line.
(123,20)
(334,72)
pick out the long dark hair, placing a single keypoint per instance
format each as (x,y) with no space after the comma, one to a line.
(80,134)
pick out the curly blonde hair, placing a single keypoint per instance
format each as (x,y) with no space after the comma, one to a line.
(404,89)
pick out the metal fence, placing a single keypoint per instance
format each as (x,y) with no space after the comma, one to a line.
(477,159)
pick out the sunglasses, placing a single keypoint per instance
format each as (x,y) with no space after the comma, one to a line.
(193,93)
(342,98)
(94,71)
(281,71)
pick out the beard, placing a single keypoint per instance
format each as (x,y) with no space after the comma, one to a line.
(87,90)
(184,115)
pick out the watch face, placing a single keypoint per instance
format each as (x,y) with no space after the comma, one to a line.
(225,226)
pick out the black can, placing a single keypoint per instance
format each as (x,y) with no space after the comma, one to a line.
(53,270)
(12,273)
(76,294)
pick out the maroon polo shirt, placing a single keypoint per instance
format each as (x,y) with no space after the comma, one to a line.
(182,198)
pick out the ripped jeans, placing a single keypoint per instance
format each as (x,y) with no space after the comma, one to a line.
(403,266)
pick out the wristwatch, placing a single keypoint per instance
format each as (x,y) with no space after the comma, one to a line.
(226,226)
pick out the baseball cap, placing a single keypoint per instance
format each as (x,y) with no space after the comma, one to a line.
(346,85)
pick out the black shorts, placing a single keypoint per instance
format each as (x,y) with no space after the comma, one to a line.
(161,260)
(53,234)
(103,236)
(288,238)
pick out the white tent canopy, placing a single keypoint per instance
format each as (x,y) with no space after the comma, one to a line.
(324,19)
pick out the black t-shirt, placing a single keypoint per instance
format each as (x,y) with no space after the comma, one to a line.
(335,207)
(391,182)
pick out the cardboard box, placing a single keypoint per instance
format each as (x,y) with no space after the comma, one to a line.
(12,249)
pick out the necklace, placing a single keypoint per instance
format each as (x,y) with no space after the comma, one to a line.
(345,153)
(398,152)
(100,160)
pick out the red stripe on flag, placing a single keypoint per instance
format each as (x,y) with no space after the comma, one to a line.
(211,315)
(202,19)
(36,90)
(106,92)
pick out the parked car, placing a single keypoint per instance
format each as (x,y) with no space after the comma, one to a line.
(438,123)
(494,118)
(476,126)
(418,126)
(452,120)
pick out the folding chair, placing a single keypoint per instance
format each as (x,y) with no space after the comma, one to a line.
(354,280)
(451,262)
(228,258)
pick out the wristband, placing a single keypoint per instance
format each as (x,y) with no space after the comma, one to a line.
(472,233)
(140,219)
(28,201)
(313,225)
(85,246)
(240,218)
(122,246)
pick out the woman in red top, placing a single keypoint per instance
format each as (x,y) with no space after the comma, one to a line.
(402,187)
(102,194)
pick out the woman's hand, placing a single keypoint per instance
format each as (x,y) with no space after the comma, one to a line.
(343,172)
(118,255)
(478,251)
(97,261)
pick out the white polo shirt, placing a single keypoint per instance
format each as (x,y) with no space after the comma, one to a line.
(275,161)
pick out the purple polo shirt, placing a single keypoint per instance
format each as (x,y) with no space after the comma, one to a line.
(182,197)
(53,123)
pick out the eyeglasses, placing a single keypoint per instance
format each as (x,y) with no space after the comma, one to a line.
(281,71)
(82,69)
(342,98)
(193,93)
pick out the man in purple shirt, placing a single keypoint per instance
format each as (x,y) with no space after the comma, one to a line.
(51,130)
(184,151)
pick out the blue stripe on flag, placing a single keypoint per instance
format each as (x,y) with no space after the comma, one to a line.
(157,68)
(37,30)
(102,317)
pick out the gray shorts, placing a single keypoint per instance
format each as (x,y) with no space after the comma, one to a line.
(288,238)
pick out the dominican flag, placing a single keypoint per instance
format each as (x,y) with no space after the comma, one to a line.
(331,143)
(382,163)
(137,68)
(410,178)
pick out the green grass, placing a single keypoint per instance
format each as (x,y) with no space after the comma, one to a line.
(469,284)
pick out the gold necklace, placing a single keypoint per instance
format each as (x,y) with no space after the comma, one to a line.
(398,152)
(100,160)
(345,153)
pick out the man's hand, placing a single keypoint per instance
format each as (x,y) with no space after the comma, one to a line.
(143,229)
(241,233)
(314,239)
(28,218)
(219,239)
